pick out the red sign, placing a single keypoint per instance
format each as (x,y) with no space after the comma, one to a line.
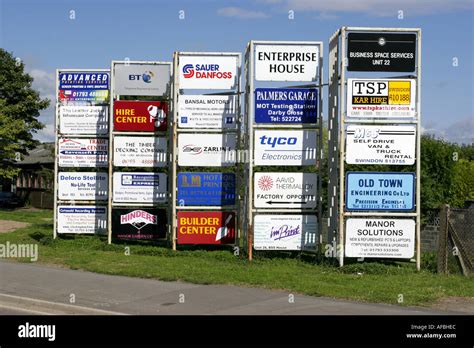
(206,227)
(140,116)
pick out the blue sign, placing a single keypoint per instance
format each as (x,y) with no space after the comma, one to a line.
(380,191)
(286,105)
(215,189)
(83,80)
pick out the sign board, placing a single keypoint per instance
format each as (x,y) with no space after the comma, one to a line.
(285,190)
(143,223)
(84,86)
(140,187)
(203,111)
(285,147)
(381,98)
(380,145)
(82,186)
(380,191)
(82,152)
(207,150)
(140,116)
(381,52)
(286,105)
(142,79)
(206,227)
(207,72)
(284,232)
(140,151)
(83,119)
(286,62)
(201,189)
(387,238)
(82,219)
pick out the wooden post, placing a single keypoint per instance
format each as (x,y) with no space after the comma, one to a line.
(443,239)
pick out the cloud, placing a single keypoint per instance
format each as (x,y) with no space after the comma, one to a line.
(44,82)
(237,12)
(381,8)
(47,134)
(461,132)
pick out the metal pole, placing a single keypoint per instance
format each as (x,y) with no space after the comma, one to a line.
(320,143)
(342,150)
(56,159)
(111,151)
(418,154)
(250,119)
(174,135)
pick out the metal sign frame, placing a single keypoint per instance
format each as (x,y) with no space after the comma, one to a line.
(57,135)
(175,131)
(113,134)
(251,126)
(336,137)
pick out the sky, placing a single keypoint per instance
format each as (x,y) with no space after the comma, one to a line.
(51,34)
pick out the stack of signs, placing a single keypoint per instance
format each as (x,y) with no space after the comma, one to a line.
(197,113)
(83,128)
(291,108)
(136,188)
(380,99)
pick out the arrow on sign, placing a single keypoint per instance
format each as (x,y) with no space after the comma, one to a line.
(273,202)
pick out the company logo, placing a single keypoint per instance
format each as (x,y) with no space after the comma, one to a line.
(265,183)
(382,41)
(205,71)
(138,219)
(146,77)
(284,231)
(193,149)
(188,71)
(156,114)
(273,141)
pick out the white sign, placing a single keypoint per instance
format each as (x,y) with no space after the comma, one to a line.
(285,190)
(82,219)
(285,147)
(207,72)
(201,111)
(140,151)
(141,79)
(140,187)
(381,98)
(83,119)
(82,186)
(81,152)
(390,238)
(286,62)
(380,145)
(207,150)
(284,232)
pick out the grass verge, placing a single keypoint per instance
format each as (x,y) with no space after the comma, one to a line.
(382,282)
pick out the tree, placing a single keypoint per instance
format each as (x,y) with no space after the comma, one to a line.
(20,106)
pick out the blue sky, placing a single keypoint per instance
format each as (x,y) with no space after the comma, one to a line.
(44,36)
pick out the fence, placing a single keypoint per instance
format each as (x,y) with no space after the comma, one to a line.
(456,240)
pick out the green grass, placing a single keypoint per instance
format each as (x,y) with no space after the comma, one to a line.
(368,281)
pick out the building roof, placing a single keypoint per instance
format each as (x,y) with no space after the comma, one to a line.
(42,154)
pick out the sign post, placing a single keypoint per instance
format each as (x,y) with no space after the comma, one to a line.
(284,129)
(374,121)
(81,141)
(139,123)
(206,139)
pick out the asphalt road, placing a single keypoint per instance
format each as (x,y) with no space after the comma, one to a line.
(39,289)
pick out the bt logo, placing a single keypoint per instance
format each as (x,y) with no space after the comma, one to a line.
(188,71)
(273,141)
(146,77)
